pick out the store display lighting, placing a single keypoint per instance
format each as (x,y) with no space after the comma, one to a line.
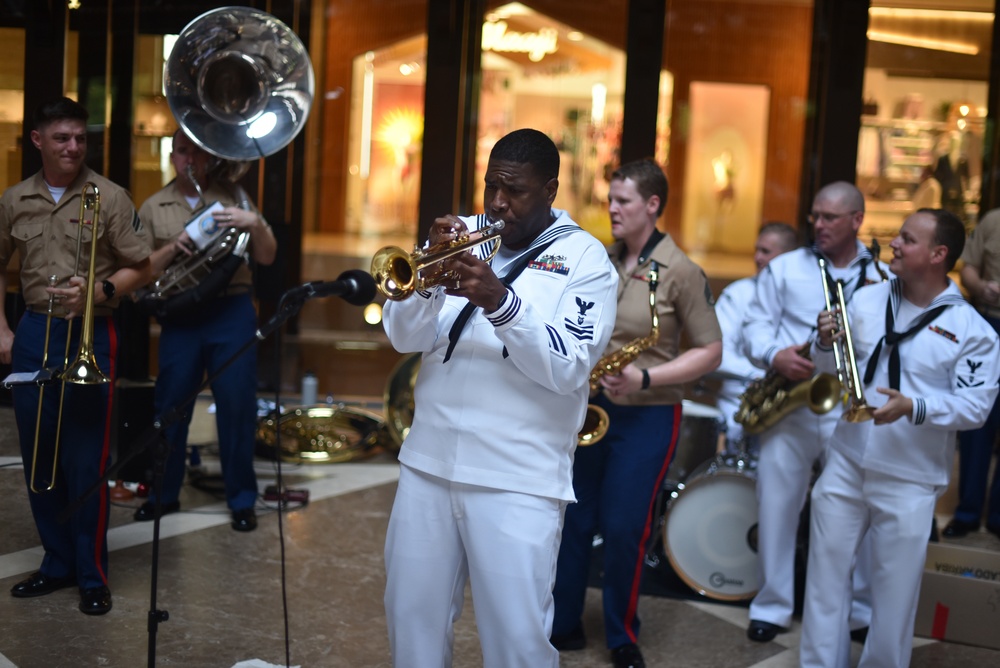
(930,14)
(923,42)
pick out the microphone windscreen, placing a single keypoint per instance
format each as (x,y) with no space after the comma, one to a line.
(363,291)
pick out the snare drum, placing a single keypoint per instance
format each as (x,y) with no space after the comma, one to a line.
(710,532)
(697,442)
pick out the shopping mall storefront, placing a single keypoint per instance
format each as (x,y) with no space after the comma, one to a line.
(750,106)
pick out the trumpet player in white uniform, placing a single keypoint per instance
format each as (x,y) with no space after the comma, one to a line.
(779,324)
(929,365)
(486,468)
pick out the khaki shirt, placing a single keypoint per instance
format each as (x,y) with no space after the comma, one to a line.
(982,251)
(45,235)
(683,304)
(167,212)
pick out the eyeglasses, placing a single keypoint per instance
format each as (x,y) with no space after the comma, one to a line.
(827,217)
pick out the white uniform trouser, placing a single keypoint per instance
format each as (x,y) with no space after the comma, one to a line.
(442,534)
(847,501)
(784,469)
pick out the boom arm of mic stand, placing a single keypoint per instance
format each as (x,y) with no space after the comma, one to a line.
(290,304)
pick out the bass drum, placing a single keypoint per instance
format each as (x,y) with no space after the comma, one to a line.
(697,442)
(710,530)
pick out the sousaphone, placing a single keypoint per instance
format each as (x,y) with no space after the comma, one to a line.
(240,84)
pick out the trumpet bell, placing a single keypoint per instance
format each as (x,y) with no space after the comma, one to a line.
(239,82)
(394,272)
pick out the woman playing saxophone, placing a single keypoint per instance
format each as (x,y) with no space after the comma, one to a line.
(661,294)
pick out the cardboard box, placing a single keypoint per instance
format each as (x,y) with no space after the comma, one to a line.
(960,596)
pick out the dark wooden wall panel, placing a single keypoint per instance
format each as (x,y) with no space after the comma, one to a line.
(743,43)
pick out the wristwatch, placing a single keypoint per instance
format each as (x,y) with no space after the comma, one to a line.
(109,288)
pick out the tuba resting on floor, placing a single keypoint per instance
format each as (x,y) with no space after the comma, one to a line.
(324,434)
(240,85)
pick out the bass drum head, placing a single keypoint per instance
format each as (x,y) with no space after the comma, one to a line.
(710,535)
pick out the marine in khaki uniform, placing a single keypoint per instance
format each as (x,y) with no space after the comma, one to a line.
(197,342)
(39,221)
(616,479)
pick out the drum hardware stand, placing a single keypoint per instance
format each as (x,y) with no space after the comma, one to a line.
(154,440)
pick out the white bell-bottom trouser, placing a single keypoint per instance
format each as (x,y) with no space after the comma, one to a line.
(784,469)
(849,502)
(442,534)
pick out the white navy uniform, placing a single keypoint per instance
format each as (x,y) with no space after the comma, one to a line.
(788,298)
(486,467)
(730,309)
(885,479)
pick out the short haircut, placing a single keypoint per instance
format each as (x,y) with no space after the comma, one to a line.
(786,234)
(648,178)
(844,192)
(948,232)
(529,147)
(59,110)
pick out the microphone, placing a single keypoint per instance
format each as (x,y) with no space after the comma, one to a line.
(354,286)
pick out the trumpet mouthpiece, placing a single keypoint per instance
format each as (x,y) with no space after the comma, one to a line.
(498,224)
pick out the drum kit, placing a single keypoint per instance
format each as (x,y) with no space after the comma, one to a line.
(708,525)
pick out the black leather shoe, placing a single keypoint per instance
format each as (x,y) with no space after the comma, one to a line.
(627,656)
(759,631)
(860,635)
(958,528)
(147,511)
(244,520)
(95,601)
(574,640)
(39,584)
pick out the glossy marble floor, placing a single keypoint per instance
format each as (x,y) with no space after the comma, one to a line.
(223,589)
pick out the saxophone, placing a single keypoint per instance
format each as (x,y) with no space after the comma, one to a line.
(596,422)
(771,398)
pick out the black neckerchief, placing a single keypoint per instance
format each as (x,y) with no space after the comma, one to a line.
(517,267)
(832,283)
(893,338)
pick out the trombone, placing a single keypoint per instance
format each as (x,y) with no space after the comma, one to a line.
(399,274)
(858,409)
(84,369)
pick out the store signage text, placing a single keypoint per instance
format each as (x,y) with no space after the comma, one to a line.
(537,45)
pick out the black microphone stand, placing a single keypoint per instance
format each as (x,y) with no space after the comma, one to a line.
(154,440)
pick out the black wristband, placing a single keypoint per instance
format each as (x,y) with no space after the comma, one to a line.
(645,379)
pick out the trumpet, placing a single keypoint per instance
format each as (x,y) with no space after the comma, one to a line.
(84,369)
(858,409)
(399,274)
